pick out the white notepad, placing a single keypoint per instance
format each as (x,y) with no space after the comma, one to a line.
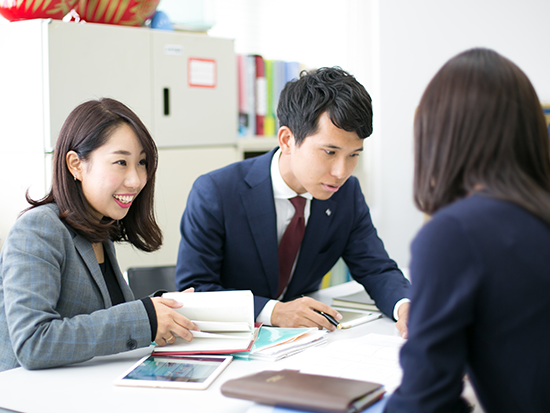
(353,317)
(225,320)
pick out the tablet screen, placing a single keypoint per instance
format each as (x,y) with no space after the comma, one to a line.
(186,372)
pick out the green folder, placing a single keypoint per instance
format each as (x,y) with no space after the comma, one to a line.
(269,336)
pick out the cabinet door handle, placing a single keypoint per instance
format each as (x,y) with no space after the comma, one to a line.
(166,95)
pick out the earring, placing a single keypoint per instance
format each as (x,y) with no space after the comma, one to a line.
(74,178)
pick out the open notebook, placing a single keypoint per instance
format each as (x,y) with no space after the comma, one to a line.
(225,320)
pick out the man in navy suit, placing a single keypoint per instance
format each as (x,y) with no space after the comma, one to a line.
(236,216)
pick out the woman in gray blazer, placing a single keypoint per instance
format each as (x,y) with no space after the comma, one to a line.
(63,298)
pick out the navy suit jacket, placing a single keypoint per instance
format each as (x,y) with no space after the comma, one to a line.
(479,305)
(229,239)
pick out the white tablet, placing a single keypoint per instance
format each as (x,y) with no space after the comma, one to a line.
(175,372)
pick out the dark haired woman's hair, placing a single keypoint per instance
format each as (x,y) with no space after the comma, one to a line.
(328,89)
(87,128)
(480,128)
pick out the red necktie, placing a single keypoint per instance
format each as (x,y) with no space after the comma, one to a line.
(290,243)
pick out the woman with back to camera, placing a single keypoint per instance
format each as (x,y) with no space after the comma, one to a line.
(63,297)
(480,268)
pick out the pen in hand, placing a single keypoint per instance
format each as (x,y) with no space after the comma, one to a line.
(330,319)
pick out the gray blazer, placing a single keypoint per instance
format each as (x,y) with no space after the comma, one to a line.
(55,306)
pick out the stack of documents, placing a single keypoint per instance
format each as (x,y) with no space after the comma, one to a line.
(274,343)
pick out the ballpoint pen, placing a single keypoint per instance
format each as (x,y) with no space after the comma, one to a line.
(330,319)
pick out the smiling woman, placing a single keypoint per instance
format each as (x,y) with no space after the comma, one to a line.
(93,153)
(114,175)
(64,298)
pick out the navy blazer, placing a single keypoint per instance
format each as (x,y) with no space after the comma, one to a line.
(479,305)
(229,239)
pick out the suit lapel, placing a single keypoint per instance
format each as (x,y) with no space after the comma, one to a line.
(259,206)
(86,251)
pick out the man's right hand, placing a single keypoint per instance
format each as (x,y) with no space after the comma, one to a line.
(300,313)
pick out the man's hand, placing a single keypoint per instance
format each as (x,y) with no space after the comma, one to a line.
(300,313)
(401,325)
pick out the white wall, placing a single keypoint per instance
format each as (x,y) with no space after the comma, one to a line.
(415,38)
(313,32)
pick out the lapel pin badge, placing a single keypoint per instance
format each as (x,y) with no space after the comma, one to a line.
(328,212)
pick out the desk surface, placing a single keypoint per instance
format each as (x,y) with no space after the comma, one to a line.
(88,387)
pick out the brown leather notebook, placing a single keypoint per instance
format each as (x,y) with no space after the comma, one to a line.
(290,388)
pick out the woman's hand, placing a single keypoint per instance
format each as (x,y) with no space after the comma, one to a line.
(170,323)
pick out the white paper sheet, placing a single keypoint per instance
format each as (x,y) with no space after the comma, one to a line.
(373,357)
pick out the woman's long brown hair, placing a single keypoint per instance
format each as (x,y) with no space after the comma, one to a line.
(480,126)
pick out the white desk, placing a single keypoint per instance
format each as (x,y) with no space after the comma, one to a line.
(88,387)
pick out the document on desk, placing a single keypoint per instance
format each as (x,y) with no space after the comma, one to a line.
(352,317)
(373,357)
(225,320)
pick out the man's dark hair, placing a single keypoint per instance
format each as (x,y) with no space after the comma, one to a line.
(328,89)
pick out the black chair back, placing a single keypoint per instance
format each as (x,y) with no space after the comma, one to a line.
(144,281)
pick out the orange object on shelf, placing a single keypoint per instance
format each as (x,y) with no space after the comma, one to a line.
(121,12)
(15,10)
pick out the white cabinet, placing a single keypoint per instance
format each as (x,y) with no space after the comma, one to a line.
(195,90)
(90,61)
(183,87)
(55,66)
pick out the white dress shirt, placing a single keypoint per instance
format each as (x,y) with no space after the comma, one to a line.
(285,211)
